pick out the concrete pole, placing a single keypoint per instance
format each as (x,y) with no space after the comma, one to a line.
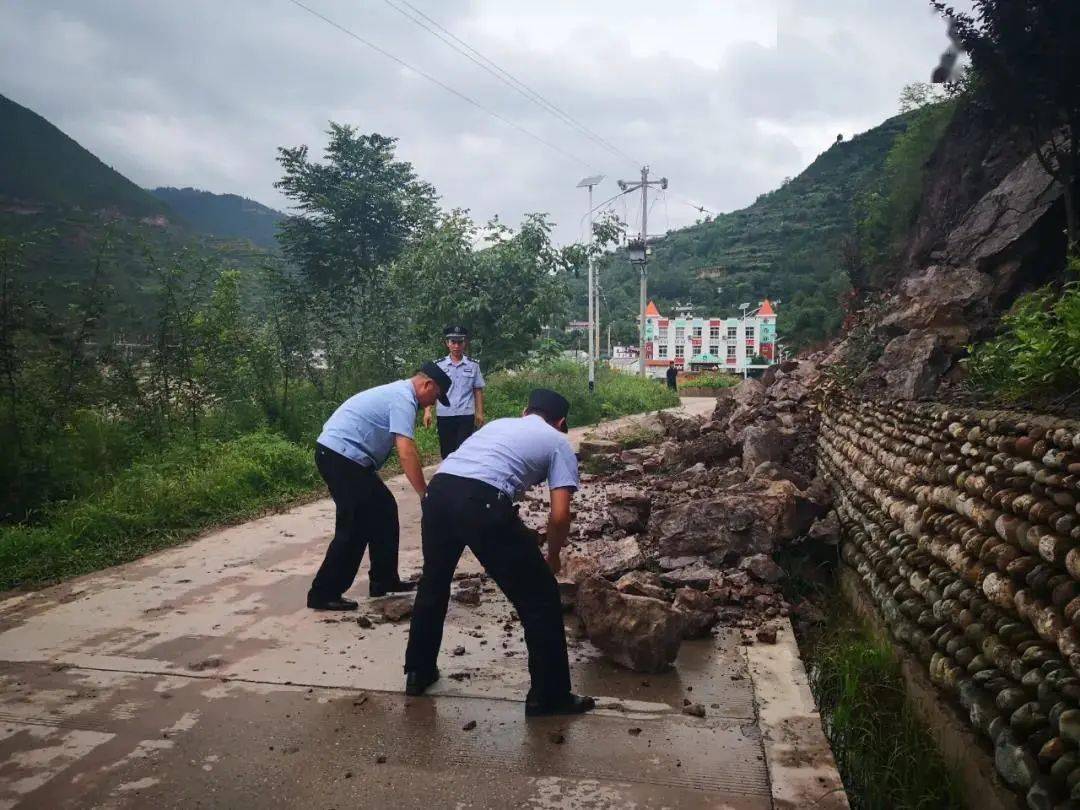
(644,266)
(592,303)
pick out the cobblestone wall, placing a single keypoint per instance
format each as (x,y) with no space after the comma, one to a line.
(964,526)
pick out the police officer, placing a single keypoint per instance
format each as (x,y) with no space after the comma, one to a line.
(470,504)
(465,413)
(355,442)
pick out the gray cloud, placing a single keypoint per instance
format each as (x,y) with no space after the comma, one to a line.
(725,99)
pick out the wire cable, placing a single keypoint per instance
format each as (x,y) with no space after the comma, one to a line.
(442,84)
(469,52)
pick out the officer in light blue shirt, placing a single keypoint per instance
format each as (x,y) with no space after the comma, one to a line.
(465,413)
(470,505)
(355,442)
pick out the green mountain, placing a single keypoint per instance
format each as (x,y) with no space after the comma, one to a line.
(40,167)
(787,245)
(226,216)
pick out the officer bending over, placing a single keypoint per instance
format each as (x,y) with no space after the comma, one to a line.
(355,442)
(470,504)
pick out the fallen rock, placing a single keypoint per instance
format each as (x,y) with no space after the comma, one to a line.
(694,710)
(637,632)
(467,595)
(628,509)
(826,529)
(762,568)
(592,447)
(641,583)
(766,634)
(395,608)
(697,610)
(771,471)
(698,575)
(469,726)
(609,558)
(761,443)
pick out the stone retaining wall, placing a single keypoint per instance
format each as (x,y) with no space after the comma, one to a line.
(964,526)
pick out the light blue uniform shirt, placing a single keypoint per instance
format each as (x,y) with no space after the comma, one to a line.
(515,454)
(465,377)
(364,425)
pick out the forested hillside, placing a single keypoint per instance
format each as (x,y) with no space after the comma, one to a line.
(788,245)
(41,167)
(226,216)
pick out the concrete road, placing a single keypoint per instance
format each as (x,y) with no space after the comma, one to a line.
(197,678)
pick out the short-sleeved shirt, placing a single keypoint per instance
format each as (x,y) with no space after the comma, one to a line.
(514,454)
(363,427)
(465,377)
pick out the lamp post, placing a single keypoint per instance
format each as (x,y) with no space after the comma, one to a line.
(588,183)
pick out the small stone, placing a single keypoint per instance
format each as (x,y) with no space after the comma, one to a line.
(694,710)
(348,774)
(381,759)
(396,608)
(767,634)
(469,726)
(633,732)
(459,650)
(557,738)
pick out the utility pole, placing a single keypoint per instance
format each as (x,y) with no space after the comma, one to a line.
(594,336)
(640,254)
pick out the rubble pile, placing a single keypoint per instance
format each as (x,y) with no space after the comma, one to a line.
(964,527)
(676,536)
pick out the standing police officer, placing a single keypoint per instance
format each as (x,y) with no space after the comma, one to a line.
(355,442)
(465,413)
(470,504)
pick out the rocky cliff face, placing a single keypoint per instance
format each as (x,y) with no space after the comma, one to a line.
(989,228)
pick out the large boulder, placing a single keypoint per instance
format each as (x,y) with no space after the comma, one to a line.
(709,448)
(588,448)
(607,558)
(733,523)
(628,508)
(911,365)
(761,443)
(636,632)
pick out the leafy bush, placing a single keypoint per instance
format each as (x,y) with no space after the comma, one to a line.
(1036,356)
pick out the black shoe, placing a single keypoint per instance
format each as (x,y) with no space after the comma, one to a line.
(570,704)
(377,589)
(416,683)
(324,603)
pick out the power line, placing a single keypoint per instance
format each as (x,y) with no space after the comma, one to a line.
(441,84)
(507,78)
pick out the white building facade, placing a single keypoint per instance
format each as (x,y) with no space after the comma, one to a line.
(706,344)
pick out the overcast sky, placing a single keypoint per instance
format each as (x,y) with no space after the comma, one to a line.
(724,97)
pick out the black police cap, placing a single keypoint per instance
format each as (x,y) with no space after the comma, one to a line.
(441,379)
(456,331)
(552,404)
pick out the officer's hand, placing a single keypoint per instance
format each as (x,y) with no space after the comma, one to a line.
(478,420)
(553,561)
(427,417)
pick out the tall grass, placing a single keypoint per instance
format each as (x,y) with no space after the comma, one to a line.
(887,759)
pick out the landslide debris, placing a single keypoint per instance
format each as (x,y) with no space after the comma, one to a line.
(675,538)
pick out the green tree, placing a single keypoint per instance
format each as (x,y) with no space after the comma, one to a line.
(357,211)
(1026,57)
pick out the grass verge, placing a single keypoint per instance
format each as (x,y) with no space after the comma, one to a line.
(887,759)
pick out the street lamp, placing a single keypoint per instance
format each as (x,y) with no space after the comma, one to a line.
(593,305)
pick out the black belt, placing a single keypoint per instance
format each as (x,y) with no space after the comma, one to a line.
(325,449)
(474,486)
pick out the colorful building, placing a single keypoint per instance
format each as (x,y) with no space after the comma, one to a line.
(700,344)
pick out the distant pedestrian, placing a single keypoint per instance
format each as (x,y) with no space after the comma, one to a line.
(465,413)
(672,376)
(470,505)
(355,442)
